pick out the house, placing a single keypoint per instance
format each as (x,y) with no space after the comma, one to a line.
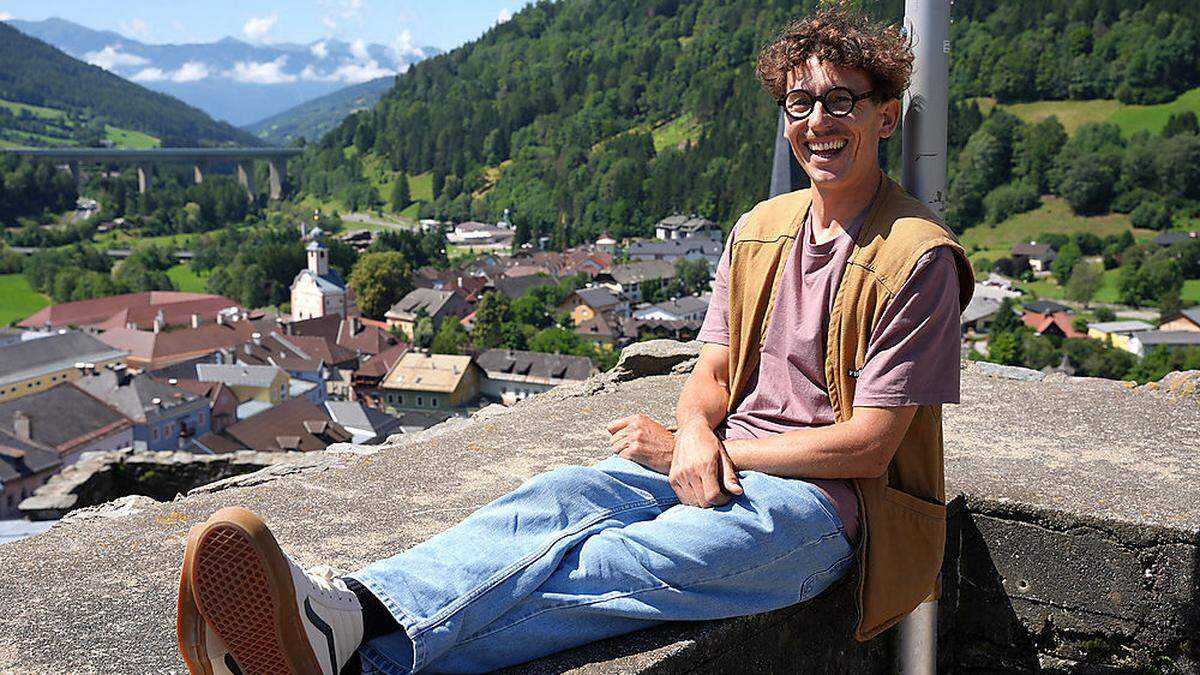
(412,421)
(305,359)
(24,467)
(606,244)
(1039,256)
(690,248)
(319,290)
(511,375)
(681,227)
(472,233)
(978,316)
(1117,333)
(1172,238)
(635,330)
(366,425)
(423,381)
(1142,342)
(600,330)
(67,419)
(132,310)
(1044,307)
(1188,319)
(370,374)
(515,287)
(152,350)
(353,333)
(222,402)
(437,305)
(265,384)
(687,308)
(627,280)
(165,417)
(587,303)
(37,365)
(1054,323)
(297,425)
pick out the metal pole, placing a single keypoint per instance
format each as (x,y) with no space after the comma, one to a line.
(926,106)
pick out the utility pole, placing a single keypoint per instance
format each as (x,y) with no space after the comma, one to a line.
(926,107)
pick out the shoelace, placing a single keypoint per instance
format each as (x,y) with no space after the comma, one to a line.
(323,576)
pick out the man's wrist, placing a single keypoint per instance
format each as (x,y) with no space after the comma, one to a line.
(693,424)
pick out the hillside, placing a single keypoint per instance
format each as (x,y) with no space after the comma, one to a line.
(230,79)
(585,116)
(312,119)
(36,74)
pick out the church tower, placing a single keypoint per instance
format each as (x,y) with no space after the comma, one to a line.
(318,258)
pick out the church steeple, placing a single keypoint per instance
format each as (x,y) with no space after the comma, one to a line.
(318,258)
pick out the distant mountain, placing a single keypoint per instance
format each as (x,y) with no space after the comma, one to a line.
(229,79)
(313,118)
(49,98)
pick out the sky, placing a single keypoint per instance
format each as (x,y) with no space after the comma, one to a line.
(439,23)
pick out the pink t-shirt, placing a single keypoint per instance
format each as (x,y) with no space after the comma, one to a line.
(912,356)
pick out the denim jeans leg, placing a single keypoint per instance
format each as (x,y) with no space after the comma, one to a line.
(461,580)
(778,544)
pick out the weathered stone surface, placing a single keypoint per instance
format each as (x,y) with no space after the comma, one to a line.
(1067,484)
(653,357)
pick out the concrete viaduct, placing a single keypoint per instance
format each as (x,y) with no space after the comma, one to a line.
(199,158)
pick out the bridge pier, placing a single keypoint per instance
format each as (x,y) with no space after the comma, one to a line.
(143,180)
(198,173)
(245,175)
(73,167)
(278,176)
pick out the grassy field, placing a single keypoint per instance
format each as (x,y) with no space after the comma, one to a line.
(187,280)
(1054,215)
(1049,288)
(121,239)
(17,299)
(121,138)
(36,111)
(125,138)
(1072,114)
(677,132)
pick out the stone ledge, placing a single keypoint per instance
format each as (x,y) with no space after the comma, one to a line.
(1097,481)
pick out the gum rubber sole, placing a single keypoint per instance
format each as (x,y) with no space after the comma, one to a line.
(242,585)
(189,625)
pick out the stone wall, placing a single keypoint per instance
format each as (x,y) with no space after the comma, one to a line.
(1073,534)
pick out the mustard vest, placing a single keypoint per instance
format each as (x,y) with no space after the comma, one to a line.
(903,512)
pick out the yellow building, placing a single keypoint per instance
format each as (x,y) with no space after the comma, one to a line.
(1188,319)
(268,384)
(36,365)
(422,381)
(1117,333)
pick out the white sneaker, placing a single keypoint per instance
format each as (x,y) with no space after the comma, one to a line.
(272,615)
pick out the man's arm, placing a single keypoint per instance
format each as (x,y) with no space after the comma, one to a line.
(860,447)
(705,395)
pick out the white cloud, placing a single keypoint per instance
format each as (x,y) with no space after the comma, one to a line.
(504,15)
(258,28)
(329,23)
(190,72)
(319,49)
(5,16)
(261,72)
(361,72)
(112,57)
(402,48)
(135,27)
(358,49)
(149,75)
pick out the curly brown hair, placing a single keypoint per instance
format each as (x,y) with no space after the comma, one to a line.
(843,37)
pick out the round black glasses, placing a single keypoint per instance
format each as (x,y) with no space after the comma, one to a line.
(838,101)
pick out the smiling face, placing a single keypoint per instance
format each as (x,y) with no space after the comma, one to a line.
(839,153)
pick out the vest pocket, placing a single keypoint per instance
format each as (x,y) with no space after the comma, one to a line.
(906,542)
(916,504)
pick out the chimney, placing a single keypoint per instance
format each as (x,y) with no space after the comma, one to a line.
(257,337)
(172,381)
(22,426)
(122,372)
(355,325)
(156,402)
(195,321)
(158,325)
(90,368)
(220,319)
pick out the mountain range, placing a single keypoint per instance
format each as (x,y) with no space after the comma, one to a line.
(312,119)
(230,79)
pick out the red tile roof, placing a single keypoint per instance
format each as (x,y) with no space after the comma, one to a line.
(148,349)
(116,311)
(1041,322)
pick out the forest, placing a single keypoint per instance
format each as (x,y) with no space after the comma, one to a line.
(584,116)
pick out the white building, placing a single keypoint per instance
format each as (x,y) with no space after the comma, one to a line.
(318,290)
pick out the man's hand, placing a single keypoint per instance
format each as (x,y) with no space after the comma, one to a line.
(701,472)
(644,441)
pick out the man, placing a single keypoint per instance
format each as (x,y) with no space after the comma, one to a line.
(808,437)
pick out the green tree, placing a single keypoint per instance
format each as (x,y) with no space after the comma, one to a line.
(1086,279)
(1087,184)
(451,337)
(1064,264)
(1006,319)
(423,332)
(1034,154)
(400,197)
(379,280)
(1004,348)
(1181,123)
(490,318)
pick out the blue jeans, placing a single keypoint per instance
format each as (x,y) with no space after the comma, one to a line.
(583,553)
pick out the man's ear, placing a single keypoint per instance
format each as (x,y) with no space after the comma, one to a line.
(889,117)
